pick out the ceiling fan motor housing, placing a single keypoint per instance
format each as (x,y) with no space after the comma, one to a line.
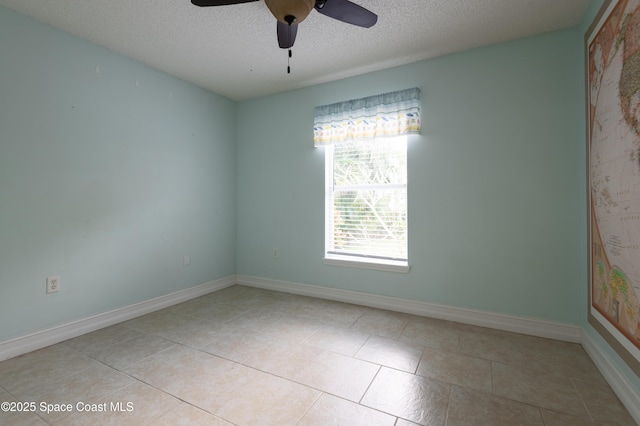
(299,9)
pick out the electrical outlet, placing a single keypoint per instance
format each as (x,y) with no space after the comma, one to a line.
(53,284)
(276,253)
(185,260)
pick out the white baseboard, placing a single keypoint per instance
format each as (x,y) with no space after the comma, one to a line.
(57,334)
(530,326)
(629,397)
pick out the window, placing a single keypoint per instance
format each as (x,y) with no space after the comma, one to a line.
(366,178)
(366,202)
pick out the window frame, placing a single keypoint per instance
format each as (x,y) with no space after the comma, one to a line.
(349,260)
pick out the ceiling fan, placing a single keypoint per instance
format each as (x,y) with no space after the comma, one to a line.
(290,13)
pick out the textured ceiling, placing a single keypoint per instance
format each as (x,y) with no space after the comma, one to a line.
(233,50)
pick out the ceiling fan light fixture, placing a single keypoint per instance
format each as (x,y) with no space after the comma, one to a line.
(299,9)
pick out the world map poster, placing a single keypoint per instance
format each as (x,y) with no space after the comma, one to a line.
(613,67)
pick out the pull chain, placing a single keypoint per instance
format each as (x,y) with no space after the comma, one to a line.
(289,58)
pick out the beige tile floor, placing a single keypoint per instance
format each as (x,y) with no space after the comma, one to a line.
(245,356)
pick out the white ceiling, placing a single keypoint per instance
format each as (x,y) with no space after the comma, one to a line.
(233,50)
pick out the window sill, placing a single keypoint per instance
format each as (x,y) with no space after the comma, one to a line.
(378,264)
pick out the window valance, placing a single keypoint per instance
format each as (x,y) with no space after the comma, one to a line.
(386,115)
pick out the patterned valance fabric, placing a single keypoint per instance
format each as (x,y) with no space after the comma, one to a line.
(386,115)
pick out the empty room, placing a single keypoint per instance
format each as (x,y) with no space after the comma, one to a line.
(320,212)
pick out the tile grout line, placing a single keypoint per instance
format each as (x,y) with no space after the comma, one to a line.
(446,414)
(315,401)
(573,383)
(139,380)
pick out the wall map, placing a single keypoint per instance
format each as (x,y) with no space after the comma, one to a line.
(613,61)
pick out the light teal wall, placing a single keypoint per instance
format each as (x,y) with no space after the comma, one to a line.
(103,182)
(494,182)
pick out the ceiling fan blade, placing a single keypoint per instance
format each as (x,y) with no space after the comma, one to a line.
(286,34)
(346,11)
(206,3)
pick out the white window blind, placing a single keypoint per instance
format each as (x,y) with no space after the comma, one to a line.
(367,199)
